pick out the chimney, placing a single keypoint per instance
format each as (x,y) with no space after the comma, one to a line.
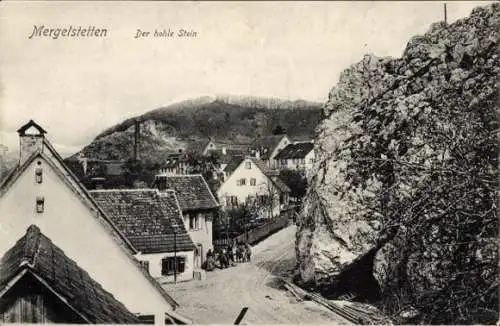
(137,129)
(31,137)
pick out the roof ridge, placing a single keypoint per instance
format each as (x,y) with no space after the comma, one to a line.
(181,175)
(31,246)
(123,190)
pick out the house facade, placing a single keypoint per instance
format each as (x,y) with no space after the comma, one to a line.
(250,181)
(297,156)
(175,164)
(199,207)
(267,147)
(152,222)
(42,191)
(29,292)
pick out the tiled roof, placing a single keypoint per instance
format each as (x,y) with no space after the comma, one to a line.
(172,160)
(267,143)
(298,150)
(192,191)
(261,165)
(59,166)
(233,164)
(197,147)
(146,218)
(280,184)
(225,158)
(35,253)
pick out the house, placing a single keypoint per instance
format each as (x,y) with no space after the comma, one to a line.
(249,179)
(267,147)
(41,190)
(40,284)
(175,163)
(201,147)
(198,205)
(297,156)
(153,224)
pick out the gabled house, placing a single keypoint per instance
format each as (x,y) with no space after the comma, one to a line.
(266,148)
(40,284)
(297,156)
(201,147)
(41,190)
(153,224)
(249,179)
(198,205)
(174,164)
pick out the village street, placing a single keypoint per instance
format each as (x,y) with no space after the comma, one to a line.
(220,298)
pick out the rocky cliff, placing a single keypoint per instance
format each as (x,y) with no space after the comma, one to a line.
(402,203)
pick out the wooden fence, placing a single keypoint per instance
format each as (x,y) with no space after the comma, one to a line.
(255,235)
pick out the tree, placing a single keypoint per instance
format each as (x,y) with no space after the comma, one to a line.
(296,181)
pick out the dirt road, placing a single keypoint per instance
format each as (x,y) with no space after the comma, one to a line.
(220,298)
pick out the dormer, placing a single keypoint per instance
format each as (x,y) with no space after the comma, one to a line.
(31,137)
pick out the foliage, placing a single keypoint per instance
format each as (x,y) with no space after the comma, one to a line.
(225,119)
(207,166)
(296,181)
(279,130)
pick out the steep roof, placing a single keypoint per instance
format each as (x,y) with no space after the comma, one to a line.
(280,184)
(295,151)
(197,147)
(172,160)
(22,131)
(225,158)
(192,191)
(233,164)
(267,143)
(35,254)
(69,177)
(146,218)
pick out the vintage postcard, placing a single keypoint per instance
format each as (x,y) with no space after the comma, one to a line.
(271,162)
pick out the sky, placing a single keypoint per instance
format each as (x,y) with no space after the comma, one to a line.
(76,87)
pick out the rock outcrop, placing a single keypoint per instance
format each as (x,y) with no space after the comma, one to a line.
(404,191)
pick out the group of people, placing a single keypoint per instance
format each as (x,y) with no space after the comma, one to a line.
(236,253)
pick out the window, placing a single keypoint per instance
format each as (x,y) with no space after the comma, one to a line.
(232,201)
(147,319)
(170,265)
(40,201)
(248,165)
(264,199)
(194,222)
(145,265)
(253,182)
(241,182)
(39,173)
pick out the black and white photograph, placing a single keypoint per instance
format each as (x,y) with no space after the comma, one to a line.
(249,163)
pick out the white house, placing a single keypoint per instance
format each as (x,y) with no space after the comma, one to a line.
(42,191)
(297,156)
(248,179)
(198,206)
(152,222)
(31,294)
(201,147)
(266,148)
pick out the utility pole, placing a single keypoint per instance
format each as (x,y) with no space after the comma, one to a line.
(445,14)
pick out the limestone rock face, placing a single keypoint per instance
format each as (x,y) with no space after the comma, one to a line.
(407,168)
